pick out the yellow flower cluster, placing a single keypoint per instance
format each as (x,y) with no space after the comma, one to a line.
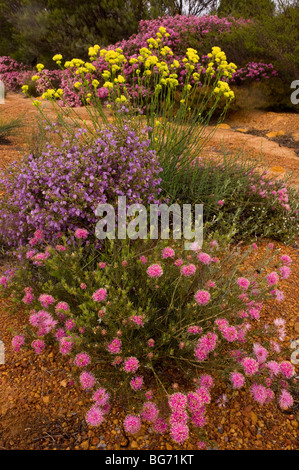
(57,58)
(51,94)
(223,88)
(218,58)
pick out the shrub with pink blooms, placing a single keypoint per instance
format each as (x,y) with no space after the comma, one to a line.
(143,320)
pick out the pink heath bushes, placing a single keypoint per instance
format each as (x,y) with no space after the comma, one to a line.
(154,326)
(13,73)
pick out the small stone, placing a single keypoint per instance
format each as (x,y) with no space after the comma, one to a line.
(84,445)
(271,135)
(46,399)
(242,130)
(63,383)
(168,446)
(134,445)
(253,418)
(224,126)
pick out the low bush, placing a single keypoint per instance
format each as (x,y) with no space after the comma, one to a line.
(153,326)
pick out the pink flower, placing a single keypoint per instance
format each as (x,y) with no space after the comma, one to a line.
(202,445)
(101,397)
(28,297)
(168,253)
(194,401)
(131,364)
(287,369)
(87,380)
(285,400)
(243,283)
(149,412)
(260,352)
(17,342)
(286,259)
(273,366)
(60,248)
(272,278)
(206,381)
(132,424)
(102,265)
(65,345)
(230,333)
(46,300)
(115,346)
(137,319)
(285,272)
(178,262)
(210,284)
(38,345)
(100,295)
(136,383)
(202,297)
(143,259)
(95,416)
(204,258)
(70,324)
(220,202)
(204,395)
(237,379)
(151,343)
(177,401)
(259,393)
(160,426)
(82,360)
(278,294)
(179,416)
(188,270)
(194,330)
(62,307)
(199,419)
(81,233)
(179,432)
(155,270)
(250,366)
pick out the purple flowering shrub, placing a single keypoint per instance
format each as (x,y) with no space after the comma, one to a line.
(60,189)
(162,323)
(253,71)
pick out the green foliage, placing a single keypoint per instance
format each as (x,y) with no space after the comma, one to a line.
(248,9)
(248,207)
(9,128)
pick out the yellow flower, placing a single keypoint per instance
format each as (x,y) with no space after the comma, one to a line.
(95,83)
(36,103)
(121,79)
(25,88)
(40,67)
(108,85)
(35,78)
(77,85)
(57,57)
